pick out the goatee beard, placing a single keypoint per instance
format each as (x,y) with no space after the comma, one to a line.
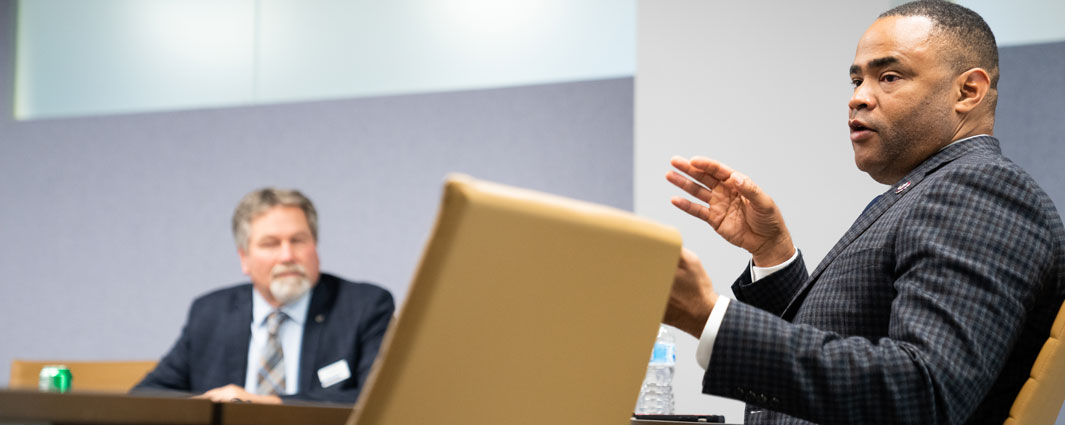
(285,289)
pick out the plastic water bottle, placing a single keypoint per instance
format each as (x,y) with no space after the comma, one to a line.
(656,394)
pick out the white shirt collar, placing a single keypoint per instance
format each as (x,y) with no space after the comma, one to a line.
(295,310)
(963,140)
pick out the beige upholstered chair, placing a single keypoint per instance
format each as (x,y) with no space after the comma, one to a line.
(526,308)
(106,376)
(1040,399)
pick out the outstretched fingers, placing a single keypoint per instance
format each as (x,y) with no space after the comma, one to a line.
(709,178)
(711,168)
(703,177)
(697,190)
(754,194)
(693,209)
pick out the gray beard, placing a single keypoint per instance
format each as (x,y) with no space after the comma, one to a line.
(287,289)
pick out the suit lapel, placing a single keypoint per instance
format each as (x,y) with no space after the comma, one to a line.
(238,324)
(884,203)
(317,315)
(866,219)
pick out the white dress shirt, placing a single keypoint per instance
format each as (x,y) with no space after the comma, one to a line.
(290,334)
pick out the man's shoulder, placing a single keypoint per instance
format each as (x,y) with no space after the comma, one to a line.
(983,182)
(351,301)
(343,288)
(983,164)
(224,296)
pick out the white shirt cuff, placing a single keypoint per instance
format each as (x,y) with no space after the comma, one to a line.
(706,341)
(757,273)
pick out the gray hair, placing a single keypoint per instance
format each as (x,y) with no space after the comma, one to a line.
(259,201)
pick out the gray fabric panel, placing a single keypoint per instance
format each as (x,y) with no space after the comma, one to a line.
(1030,120)
(112,224)
(1031,113)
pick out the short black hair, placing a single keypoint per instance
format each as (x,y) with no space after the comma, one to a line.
(970,42)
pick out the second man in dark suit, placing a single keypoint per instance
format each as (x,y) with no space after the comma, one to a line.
(293,333)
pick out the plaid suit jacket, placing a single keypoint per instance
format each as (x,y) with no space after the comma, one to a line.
(930,309)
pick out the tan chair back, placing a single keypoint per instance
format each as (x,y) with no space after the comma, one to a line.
(1040,398)
(104,376)
(526,308)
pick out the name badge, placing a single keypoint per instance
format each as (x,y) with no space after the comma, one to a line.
(333,373)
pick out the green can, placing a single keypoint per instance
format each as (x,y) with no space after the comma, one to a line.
(55,379)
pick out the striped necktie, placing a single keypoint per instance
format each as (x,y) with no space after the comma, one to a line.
(271,379)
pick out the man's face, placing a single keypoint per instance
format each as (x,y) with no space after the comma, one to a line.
(281,251)
(901,111)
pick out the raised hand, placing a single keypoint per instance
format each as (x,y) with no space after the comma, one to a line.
(734,207)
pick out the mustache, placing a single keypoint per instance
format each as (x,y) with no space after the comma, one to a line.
(281,269)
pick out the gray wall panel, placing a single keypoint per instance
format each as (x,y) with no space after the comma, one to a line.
(111,225)
(1031,112)
(1031,116)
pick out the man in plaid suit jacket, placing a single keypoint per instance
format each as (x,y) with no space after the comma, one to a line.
(932,307)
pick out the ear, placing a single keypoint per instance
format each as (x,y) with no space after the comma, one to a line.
(243,261)
(972,86)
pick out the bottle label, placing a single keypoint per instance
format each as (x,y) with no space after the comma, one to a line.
(664,353)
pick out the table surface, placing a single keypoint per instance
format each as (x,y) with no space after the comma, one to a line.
(102,408)
(269,414)
(88,408)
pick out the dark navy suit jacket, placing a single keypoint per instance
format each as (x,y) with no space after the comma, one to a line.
(345,321)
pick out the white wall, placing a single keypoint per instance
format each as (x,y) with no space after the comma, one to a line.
(763,87)
(117,56)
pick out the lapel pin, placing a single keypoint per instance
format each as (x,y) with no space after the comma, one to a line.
(319,318)
(902,187)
